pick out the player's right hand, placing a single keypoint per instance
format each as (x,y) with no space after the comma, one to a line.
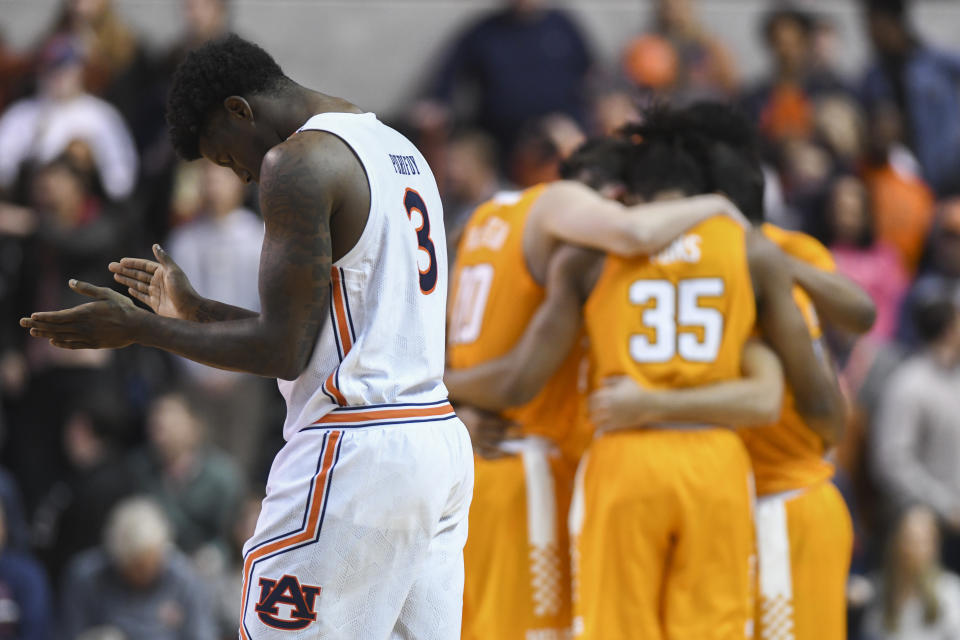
(160,285)
(487,430)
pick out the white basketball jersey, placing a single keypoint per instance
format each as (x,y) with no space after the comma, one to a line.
(383,342)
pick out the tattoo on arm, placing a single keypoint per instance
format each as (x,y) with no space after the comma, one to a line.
(297,195)
(213,311)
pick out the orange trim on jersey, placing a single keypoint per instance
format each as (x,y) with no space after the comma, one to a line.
(331,386)
(314,509)
(336,417)
(342,325)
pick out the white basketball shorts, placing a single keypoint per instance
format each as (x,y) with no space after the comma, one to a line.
(361,533)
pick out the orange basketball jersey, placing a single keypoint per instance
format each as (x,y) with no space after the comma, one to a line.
(676,319)
(494,298)
(788,455)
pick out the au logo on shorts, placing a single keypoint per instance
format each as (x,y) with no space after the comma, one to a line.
(299,600)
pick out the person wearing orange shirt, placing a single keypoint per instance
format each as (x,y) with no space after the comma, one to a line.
(516,565)
(662,517)
(804,532)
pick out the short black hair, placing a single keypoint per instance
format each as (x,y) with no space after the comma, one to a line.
(932,318)
(723,142)
(228,66)
(597,162)
(893,8)
(800,18)
(657,166)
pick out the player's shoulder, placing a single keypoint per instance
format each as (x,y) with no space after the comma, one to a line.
(800,245)
(310,161)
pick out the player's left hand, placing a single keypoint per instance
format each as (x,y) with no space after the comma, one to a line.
(487,430)
(619,404)
(107,323)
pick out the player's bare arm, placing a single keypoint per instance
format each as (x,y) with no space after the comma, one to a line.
(837,299)
(753,400)
(812,379)
(517,376)
(304,182)
(573,213)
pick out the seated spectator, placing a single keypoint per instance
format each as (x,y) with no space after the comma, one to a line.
(137,586)
(112,50)
(26,607)
(839,124)
(472,178)
(197,486)
(35,131)
(784,103)
(924,84)
(222,569)
(914,598)
(917,427)
(203,20)
(220,253)
(524,61)
(805,169)
(67,233)
(861,256)
(613,110)
(903,203)
(71,516)
(681,55)
(940,276)
(542,145)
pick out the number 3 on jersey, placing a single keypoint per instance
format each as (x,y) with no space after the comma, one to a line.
(675,307)
(412,201)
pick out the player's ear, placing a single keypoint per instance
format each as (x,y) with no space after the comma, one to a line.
(238,108)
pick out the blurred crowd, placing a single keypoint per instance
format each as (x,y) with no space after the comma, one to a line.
(129,480)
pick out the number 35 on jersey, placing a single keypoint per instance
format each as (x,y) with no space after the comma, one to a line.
(675,322)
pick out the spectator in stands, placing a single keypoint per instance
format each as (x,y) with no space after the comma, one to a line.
(839,124)
(540,148)
(472,178)
(783,104)
(805,168)
(197,486)
(35,131)
(116,67)
(940,277)
(137,585)
(71,516)
(917,427)
(202,20)
(863,257)
(924,84)
(524,61)
(220,252)
(915,599)
(71,234)
(694,65)
(222,569)
(903,203)
(26,607)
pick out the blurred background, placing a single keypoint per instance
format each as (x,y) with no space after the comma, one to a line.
(130,479)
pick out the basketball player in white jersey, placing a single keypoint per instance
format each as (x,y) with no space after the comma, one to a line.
(362,530)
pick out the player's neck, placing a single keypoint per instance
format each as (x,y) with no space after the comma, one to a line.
(298,104)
